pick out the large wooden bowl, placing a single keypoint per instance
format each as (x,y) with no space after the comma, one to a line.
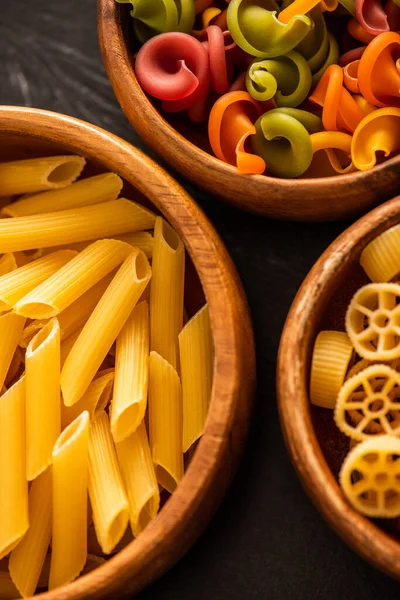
(316,447)
(210,273)
(186,148)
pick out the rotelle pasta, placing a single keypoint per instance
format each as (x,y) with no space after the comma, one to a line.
(105,386)
(285,54)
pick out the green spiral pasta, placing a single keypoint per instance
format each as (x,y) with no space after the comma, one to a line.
(282,139)
(349,5)
(151,17)
(254,26)
(287,77)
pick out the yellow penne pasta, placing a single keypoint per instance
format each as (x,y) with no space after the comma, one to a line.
(76,225)
(72,280)
(106,490)
(11,326)
(166,291)
(39,174)
(26,561)
(139,478)
(43,405)
(8,591)
(67,345)
(93,190)
(7,263)
(13,484)
(196,361)
(131,374)
(72,318)
(92,562)
(70,485)
(165,420)
(16,368)
(95,399)
(103,326)
(15,285)
(142,240)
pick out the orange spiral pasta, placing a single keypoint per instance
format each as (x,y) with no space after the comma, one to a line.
(358,33)
(350,76)
(336,147)
(302,7)
(211,16)
(339,110)
(379,70)
(377,132)
(230,124)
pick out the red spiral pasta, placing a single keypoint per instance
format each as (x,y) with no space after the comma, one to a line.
(371,16)
(351,55)
(174,67)
(219,46)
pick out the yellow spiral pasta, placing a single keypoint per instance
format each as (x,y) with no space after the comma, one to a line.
(331,357)
(370,477)
(369,399)
(373,321)
(381,258)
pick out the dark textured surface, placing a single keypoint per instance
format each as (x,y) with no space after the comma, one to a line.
(267,540)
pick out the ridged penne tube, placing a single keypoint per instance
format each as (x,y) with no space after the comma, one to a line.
(26,561)
(142,240)
(76,225)
(13,483)
(196,360)
(166,292)
(332,354)
(165,417)
(103,326)
(15,285)
(11,326)
(72,318)
(381,258)
(92,562)
(70,485)
(7,263)
(93,190)
(70,282)
(95,399)
(139,478)
(131,374)
(67,345)
(106,490)
(39,174)
(43,403)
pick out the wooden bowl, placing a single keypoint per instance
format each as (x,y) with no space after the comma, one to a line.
(186,148)
(27,132)
(316,446)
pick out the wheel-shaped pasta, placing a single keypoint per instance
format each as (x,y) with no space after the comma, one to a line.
(370,477)
(369,403)
(331,357)
(373,321)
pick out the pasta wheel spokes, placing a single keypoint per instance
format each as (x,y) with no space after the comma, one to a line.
(373,321)
(368,403)
(370,477)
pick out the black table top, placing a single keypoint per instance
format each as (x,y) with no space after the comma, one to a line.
(267,540)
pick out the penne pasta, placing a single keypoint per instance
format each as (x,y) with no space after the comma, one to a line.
(11,326)
(26,561)
(74,225)
(13,484)
(24,258)
(17,367)
(66,346)
(103,326)
(85,192)
(166,291)
(43,404)
(72,280)
(92,562)
(38,174)
(72,318)
(165,420)
(139,478)
(16,284)
(70,485)
(106,490)
(7,263)
(196,361)
(95,399)
(131,374)
(142,240)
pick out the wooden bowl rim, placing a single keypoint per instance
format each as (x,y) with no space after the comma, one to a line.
(361,533)
(234,369)
(139,110)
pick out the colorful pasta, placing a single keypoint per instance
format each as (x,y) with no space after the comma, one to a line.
(378,131)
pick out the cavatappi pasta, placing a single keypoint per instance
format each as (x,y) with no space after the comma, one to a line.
(356,373)
(105,379)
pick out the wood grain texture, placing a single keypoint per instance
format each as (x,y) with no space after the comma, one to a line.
(184,147)
(316,447)
(28,131)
